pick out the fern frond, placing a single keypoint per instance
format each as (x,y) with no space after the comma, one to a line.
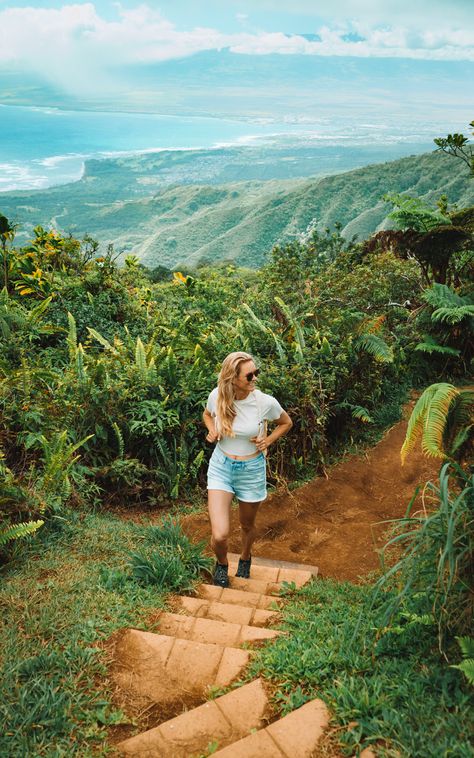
(453,315)
(80,365)
(467,668)
(119,436)
(362,414)
(140,359)
(416,422)
(71,337)
(429,345)
(436,420)
(375,346)
(441,296)
(429,419)
(104,342)
(467,646)
(357,411)
(17,531)
(371,325)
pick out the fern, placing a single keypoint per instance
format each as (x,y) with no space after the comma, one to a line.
(357,411)
(80,365)
(18,531)
(430,346)
(104,342)
(467,665)
(375,346)
(72,337)
(119,436)
(454,314)
(441,296)
(429,419)
(140,359)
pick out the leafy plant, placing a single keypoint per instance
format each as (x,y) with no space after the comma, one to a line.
(170,561)
(442,417)
(18,531)
(435,573)
(467,665)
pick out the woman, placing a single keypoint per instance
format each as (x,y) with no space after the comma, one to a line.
(235,418)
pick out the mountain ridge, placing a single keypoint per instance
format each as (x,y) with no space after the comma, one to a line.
(119,201)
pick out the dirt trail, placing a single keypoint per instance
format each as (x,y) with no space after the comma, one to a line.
(334,523)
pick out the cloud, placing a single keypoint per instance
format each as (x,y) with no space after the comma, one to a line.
(77,48)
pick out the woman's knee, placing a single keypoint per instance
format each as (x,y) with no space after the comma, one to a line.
(220,536)
(247,526)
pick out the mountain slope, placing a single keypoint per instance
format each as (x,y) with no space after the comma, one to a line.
(184,224)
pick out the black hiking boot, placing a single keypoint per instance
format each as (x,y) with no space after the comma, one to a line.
(221,575)
(243,569)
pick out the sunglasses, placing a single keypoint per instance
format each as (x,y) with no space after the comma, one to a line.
(251,374)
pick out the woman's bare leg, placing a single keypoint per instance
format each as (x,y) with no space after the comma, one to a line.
(219,502)
(247,515)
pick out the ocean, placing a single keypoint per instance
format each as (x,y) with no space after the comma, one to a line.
(41,147)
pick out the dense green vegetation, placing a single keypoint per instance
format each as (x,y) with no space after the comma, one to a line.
(387,686)
(167,208)
(104,371)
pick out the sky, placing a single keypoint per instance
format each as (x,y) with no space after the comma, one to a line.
(95,49)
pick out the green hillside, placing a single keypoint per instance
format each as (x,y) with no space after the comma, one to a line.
(184,224)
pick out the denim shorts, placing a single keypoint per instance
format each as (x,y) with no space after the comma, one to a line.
(247,480)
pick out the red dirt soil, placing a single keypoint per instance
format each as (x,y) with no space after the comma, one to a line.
(336,523)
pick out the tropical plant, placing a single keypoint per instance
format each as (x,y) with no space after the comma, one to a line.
(7,234)
(435,574)
(443,418)
(467,664)
(458,146)
(170,560)
(11,532)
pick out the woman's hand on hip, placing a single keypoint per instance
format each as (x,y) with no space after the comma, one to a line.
(212,436)
(261,443)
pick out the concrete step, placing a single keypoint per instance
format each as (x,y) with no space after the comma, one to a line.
(162,669)
(208,630)
(239,597)
(224,720)
(257,561)
(272,574)
(234,614)
(293,736)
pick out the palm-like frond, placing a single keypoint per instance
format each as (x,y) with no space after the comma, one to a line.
(429,345)
(140,359)
(300,343)
(71,337)
(453,315)
(102,340)
(467,646)
(376,346)
(266,330)
(428,419)
(441,296)
(357,411)
(17,531)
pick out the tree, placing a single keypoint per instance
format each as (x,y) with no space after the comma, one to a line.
(7,234)
(459,146)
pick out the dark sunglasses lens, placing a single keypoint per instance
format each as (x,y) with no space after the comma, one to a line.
(251,375)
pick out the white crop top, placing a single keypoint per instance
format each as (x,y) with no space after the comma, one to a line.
(251,413)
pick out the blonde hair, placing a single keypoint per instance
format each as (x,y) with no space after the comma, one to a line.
(225,411)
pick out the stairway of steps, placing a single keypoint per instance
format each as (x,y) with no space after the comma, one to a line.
(197,647)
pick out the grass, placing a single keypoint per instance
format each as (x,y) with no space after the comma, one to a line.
(71,590)
(394,690)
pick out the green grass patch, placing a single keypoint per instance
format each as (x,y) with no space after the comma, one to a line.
(71,590)
(393,689)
